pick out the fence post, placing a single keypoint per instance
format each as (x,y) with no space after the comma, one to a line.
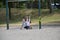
(39,14)
(7,15)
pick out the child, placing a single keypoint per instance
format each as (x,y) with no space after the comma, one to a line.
(26,23)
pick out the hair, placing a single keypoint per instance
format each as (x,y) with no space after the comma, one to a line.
(25,17)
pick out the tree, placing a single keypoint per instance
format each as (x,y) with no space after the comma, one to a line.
(49,5)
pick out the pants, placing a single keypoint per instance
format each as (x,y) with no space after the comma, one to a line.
(26,27)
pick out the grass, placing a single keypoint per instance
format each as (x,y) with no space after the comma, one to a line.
(51,18)
(48,19)
(45,13)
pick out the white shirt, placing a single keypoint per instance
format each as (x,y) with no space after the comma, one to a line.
(27,23)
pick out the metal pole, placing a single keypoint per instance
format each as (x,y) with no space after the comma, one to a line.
(39,15)
(7,15)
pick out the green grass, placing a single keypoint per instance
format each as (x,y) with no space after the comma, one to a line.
(50,18)
(45,13)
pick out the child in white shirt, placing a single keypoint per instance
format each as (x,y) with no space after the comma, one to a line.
(26,23)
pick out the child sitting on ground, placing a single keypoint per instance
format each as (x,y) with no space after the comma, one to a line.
(26,23)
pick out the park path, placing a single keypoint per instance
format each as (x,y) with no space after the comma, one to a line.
(46,33)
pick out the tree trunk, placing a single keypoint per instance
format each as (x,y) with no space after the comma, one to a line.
(49,6)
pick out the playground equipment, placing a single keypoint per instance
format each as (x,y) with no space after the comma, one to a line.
(7,15)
